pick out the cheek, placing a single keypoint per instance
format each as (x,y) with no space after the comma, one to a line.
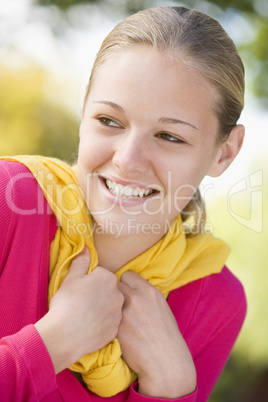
(184,180)
(182,195)
(92,154)
(186,173)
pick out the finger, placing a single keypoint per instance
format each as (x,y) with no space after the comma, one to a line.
(133,280)
(125,289)
(80,263)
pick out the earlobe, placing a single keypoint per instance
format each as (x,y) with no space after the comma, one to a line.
(227,151)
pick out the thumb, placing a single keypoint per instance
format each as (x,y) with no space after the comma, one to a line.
(133,279)
(80,263)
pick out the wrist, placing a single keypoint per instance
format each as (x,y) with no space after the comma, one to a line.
(167,384)
(55,343)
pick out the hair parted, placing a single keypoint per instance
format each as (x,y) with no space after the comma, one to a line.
(201,42)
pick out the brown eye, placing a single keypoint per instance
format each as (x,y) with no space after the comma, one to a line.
(108,122)
(169,137)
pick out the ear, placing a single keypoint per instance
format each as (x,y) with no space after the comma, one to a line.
(227,151)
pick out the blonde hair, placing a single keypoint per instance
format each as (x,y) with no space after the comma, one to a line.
(204,45)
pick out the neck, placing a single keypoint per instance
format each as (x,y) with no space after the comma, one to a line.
(115,252)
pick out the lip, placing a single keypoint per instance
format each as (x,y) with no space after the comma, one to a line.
(124,201)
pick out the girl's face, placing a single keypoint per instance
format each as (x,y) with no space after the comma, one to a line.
(147,139)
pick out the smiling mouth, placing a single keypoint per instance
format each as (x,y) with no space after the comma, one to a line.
(127,191)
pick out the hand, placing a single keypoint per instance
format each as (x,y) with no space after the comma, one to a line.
(84,313)
(151,342)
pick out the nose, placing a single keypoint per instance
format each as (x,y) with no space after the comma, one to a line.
(131,154)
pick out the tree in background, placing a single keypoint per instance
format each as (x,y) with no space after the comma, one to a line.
(30,122)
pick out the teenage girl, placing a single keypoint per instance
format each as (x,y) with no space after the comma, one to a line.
(110,285)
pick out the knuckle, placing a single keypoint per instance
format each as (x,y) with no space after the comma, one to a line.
(116,323)
(119,316)
(99,271)
(107,275)
(112,278)
(115,301)
(121,298)
(134,300)
(118,305)
(114,333)
(118,334)
(153,292)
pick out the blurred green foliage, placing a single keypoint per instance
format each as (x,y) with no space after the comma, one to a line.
(30,123)
(64,4)
(246,375)
(254,51)
(33,123)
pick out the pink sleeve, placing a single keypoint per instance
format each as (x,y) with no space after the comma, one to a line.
(134,396)
(26,370)
(5,212)
(210,313)
(22,377)
(210,320)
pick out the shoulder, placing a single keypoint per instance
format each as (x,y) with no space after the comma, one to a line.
(23,207)
(15,191)
(211,303)
(10,168)
(19,191)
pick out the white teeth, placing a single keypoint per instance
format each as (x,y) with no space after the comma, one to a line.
(117,189)
(146,192)
(127,191)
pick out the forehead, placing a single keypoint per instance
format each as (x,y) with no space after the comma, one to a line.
(145,76)
(143,62)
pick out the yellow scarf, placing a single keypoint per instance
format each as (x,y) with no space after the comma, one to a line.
(172,262)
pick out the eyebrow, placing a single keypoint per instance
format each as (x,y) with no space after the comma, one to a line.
(167,120)
(170,120)
(112,104)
